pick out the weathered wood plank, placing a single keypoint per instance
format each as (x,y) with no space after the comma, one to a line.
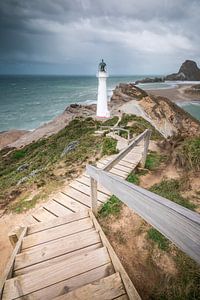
(29,283)
(56,208)
(78,196)
(56,248)
(57,222)
(178,224)
(93,191)
(85,180)
(42,215)
(50,262)
(56,233)
(71,284)
(68,202)
(9,267)
(86,190)
(130,289)
(104,289)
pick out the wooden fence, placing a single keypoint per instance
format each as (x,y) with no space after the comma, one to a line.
(178,224)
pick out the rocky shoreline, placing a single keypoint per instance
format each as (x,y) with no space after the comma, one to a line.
(126,98)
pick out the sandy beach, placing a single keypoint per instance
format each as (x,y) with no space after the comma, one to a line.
(175,94)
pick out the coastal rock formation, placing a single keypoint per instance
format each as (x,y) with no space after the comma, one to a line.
(188,71)
(164,115)
(150,80)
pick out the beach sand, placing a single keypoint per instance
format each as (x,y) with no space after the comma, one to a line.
(175,94)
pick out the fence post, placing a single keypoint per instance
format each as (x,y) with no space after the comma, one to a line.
(93,184)
(146,146)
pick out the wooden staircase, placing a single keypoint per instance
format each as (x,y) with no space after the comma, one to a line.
(62,252)
(69,258)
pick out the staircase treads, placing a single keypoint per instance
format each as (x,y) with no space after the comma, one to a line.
(71,284)
(86,190)
(56,248)
(123,168)
(36,280)
(69,202)
(57,222)
(42,215)
(86,181)
(52,261)
(78,196)
(57,209)
(107,288)
(56,233)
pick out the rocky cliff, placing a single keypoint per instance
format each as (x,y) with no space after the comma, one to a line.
(163,114)
(188,71)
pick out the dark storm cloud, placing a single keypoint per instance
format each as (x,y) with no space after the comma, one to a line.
(70,36)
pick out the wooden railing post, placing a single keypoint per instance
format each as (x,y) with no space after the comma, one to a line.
(146,146)
(93,184)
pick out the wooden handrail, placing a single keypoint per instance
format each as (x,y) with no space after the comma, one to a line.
(145,135)
(178,224)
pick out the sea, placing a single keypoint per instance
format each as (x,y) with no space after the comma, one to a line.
(26,102)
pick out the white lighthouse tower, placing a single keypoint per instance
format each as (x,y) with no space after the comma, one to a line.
(102,102)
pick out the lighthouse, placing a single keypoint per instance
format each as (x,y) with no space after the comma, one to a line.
(102,102)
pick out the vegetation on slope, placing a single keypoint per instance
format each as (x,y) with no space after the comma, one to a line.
(188,154)
(137,125)
(43,165)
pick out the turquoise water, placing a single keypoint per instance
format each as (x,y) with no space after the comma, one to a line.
(27,102)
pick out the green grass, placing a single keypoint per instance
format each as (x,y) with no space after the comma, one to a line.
(133,178)
(111,207)
(109,146)
(185,285)
(45,154)
(23,204)
(154,160)
(111,122)
(188,154)
(162,242)
(171,189)
(138,126)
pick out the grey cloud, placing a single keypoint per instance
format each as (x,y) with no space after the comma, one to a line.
(67,34)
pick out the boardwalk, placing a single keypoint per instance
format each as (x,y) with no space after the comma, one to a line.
(63,252)
(76,196)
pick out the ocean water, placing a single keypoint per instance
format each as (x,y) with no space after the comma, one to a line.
(27,102)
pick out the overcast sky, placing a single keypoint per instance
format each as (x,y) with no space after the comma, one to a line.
(71,36)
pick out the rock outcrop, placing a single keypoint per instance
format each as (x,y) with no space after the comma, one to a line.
(188,71)
(164,115)
(150,80)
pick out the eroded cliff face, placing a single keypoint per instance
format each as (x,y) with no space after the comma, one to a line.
(163,114)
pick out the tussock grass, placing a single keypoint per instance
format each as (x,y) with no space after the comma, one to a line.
(111,207)
(109,146)
(161,241)
(187,155)
(171,189)
(138,126)
(154,160)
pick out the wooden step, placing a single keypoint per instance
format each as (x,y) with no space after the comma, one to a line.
(106,288)
(25,284)
(69,203)
(71,284)
(50,262)
(57,222)
(86,190)
(57,209)
(85,180)
(56,248)
(42,215)
(56,233)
